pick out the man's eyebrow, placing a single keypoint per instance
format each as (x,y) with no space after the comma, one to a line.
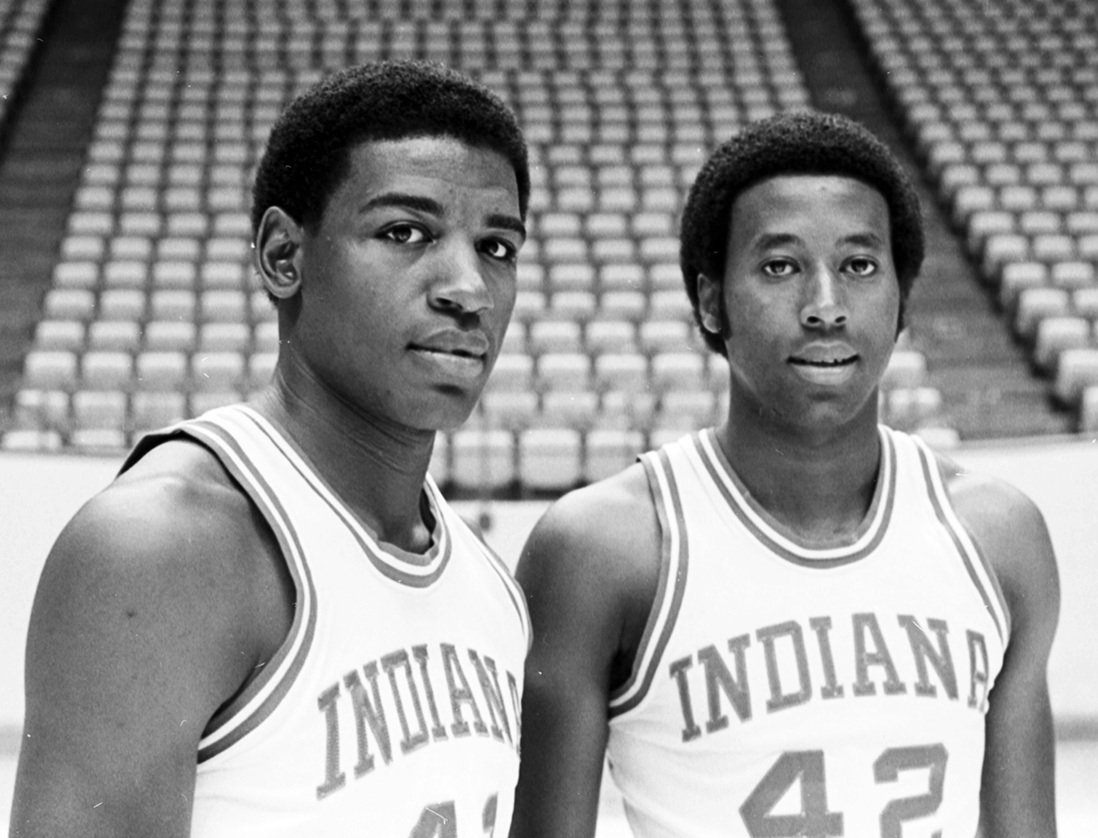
(430,206)
(770,240)
(402,199)
(864,240)
(507,222)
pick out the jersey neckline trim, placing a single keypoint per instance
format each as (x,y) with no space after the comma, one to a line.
(779,538)
(417,570)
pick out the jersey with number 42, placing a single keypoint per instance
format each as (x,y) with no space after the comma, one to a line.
(392,708)
(786,690)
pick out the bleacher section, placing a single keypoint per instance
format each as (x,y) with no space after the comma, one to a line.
(19,24)
(1000,100)
(154,314)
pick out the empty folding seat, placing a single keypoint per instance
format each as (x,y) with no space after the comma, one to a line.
(602,336)
(508,409)
(161,370)
(666,276)
(59,334)
(554,336)
(172,304)
(218,337)
(174,274)
(69,304)
(623,305)
(125,273)
(170,335)
(1051,248)
(529,305)
(1077,370)
(100,409)
(122,304)
(220,274)
(571,277)
(1001,249)
(616,277)
(85,247)
(1072,274)
(1017,277)
(614,251)
(606,225)
(223,305)
(550,459)
(667,305)
(99,440)
(512,372)
(572,305)
(106,370)
(223,370)
(50,369)
(608,451)
(678,370)
(154,410)
(1035,304)
(563,371)
(655,336)
(568,408)
(1056,334)
(75,275)
(482,459)
(624,372)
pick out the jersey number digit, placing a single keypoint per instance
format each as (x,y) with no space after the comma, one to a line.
(440,821)
(887,769)
(814,819)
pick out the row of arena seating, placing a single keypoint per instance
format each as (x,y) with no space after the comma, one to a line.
(154,314)
(20,21)
(1001,102)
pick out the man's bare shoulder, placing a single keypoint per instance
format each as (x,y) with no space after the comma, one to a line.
(172,548)
(613,521)
(1010,531)
(595,555)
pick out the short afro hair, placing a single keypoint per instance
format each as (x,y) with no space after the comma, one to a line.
(308,151)
(794,143)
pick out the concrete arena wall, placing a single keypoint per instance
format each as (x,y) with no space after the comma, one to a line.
(39,493)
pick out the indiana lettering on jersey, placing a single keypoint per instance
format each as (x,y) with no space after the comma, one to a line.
(785,649)
(468,699)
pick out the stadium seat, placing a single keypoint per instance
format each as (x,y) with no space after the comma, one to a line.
(482,459)
(550,459)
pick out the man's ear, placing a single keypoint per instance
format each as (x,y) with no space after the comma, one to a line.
(278,253)
(709,304)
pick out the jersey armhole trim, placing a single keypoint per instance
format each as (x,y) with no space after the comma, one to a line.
(260,698)
(980,570)
(670,587)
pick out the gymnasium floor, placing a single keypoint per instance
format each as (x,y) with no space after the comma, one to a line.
(1076,784)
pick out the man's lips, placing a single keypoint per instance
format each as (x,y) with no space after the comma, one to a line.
(824,356)
(453,354)
(462,344)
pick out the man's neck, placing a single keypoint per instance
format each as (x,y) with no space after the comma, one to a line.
(375,466)
(819,486)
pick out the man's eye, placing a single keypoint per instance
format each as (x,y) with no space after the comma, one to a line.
(499,249)
(405,234)
(862,266)
(779,267)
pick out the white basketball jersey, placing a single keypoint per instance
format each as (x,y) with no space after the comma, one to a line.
(392,708)
(783,690)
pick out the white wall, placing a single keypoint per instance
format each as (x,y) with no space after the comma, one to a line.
(39,493)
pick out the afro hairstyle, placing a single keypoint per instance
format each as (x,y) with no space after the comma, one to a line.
(794,143)
(308,151)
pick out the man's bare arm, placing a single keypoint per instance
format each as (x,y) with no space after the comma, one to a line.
(1018,784)
(140,630)
(589,572)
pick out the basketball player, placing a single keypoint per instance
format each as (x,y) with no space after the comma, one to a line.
(798,623)
(271,623)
